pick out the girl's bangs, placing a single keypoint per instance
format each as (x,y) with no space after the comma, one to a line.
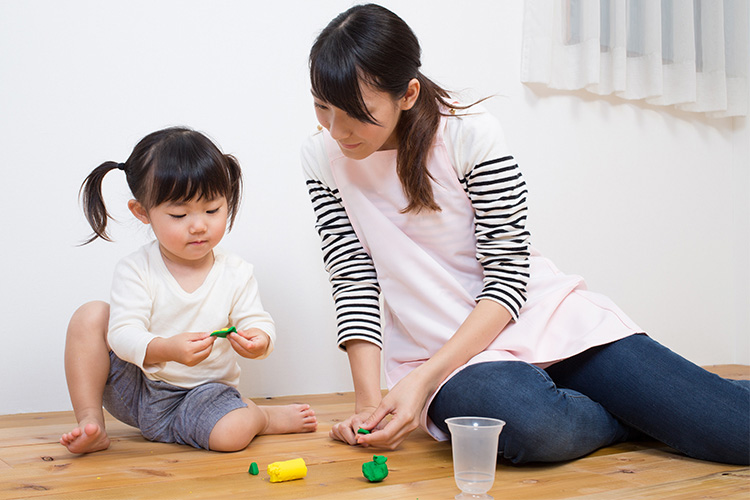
(180,178)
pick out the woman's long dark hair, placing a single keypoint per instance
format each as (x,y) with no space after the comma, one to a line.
(370,44)
(173,164)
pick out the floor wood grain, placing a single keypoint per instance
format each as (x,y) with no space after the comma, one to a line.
(34,465)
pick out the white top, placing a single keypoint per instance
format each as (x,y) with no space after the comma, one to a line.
(432,267)
(147,302)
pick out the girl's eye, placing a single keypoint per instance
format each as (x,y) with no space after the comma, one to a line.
(214,211)
(177,216)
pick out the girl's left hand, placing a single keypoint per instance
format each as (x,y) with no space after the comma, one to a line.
(251,344)
(404,403)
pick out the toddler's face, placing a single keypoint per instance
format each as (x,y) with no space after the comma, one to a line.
(188,231)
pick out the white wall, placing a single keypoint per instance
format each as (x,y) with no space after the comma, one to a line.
(650,205)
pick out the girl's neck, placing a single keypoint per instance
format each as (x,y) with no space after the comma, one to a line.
(189,274)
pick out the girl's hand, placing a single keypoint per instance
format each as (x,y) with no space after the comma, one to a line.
(189,348)
(404,403)
(252,343)
(346,431)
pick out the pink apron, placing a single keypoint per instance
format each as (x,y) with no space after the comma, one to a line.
(429,275)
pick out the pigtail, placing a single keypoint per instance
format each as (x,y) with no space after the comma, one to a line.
(234,194)
(93,202)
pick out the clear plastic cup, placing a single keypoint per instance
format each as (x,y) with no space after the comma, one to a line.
(474,443)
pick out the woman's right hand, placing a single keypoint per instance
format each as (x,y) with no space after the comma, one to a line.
(189,348)
(346,431)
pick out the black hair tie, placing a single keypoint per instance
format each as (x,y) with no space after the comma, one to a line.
(121,166)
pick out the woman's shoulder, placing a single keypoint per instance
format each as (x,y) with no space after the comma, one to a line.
(473,136)
(315,162)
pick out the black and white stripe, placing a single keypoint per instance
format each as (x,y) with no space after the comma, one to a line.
(498,194)
(350,269)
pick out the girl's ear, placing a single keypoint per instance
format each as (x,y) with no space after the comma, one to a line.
(140,213)
(412,92)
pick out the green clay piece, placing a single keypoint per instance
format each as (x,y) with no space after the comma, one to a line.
(376,470)
(362,431)
(223,333)
(253,469)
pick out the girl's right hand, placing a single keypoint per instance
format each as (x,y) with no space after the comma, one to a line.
(189,348)
(346,431)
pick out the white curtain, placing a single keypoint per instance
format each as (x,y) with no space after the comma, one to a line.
(692,54)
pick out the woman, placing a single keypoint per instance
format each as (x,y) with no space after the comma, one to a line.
(418,200)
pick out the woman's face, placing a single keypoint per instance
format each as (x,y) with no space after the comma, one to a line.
(358,139)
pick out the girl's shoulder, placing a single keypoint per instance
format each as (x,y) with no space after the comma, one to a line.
(232,262)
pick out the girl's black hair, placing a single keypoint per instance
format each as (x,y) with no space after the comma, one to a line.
(370,44)
(170,165)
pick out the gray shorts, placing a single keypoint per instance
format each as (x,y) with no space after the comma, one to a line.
(162,411)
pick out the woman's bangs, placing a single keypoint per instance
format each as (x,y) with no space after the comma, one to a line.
(335,80)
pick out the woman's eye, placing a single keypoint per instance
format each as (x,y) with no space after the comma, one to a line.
(321,106)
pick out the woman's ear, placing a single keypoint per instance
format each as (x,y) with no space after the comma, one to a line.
(412,92)
(140,213)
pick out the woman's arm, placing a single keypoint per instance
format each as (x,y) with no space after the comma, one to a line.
(364,361)
(497,191)
(407,399)
(355,289)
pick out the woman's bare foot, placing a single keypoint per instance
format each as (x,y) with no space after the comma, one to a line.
(289,419)
(87,438)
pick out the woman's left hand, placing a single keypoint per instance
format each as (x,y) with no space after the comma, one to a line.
(404,403)
(251,344)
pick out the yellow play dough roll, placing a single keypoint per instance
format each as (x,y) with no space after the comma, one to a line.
(287,470)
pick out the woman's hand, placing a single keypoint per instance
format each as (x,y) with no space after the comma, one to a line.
(404,403)
(252,343)
(346,431)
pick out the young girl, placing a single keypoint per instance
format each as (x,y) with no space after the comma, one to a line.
(418,199)
(159,368)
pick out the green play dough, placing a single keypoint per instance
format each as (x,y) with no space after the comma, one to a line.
(253,469)
(223,333)
(376,470)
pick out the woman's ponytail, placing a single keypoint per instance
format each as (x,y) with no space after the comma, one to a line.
(93,201)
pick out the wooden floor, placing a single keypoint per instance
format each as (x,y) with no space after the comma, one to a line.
(34,465)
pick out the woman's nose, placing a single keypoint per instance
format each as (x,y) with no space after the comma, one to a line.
(339,126)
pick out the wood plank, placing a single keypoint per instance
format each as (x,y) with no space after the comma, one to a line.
(34,465)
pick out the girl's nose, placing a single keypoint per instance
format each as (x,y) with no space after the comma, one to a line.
(198,225)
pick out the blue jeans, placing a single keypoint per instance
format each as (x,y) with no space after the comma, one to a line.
(605,395)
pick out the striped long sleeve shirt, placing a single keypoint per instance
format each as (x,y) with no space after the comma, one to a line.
(492,181)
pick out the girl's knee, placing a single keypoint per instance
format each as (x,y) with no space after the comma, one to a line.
(92,318)
(234,431)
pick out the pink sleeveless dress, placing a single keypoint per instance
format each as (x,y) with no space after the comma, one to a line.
(429,275)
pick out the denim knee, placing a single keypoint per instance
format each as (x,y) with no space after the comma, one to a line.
(543,423)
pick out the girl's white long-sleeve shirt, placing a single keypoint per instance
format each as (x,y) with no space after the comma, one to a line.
(147,302)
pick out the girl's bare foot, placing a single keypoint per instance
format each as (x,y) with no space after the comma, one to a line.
(289,419)
(87,438)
